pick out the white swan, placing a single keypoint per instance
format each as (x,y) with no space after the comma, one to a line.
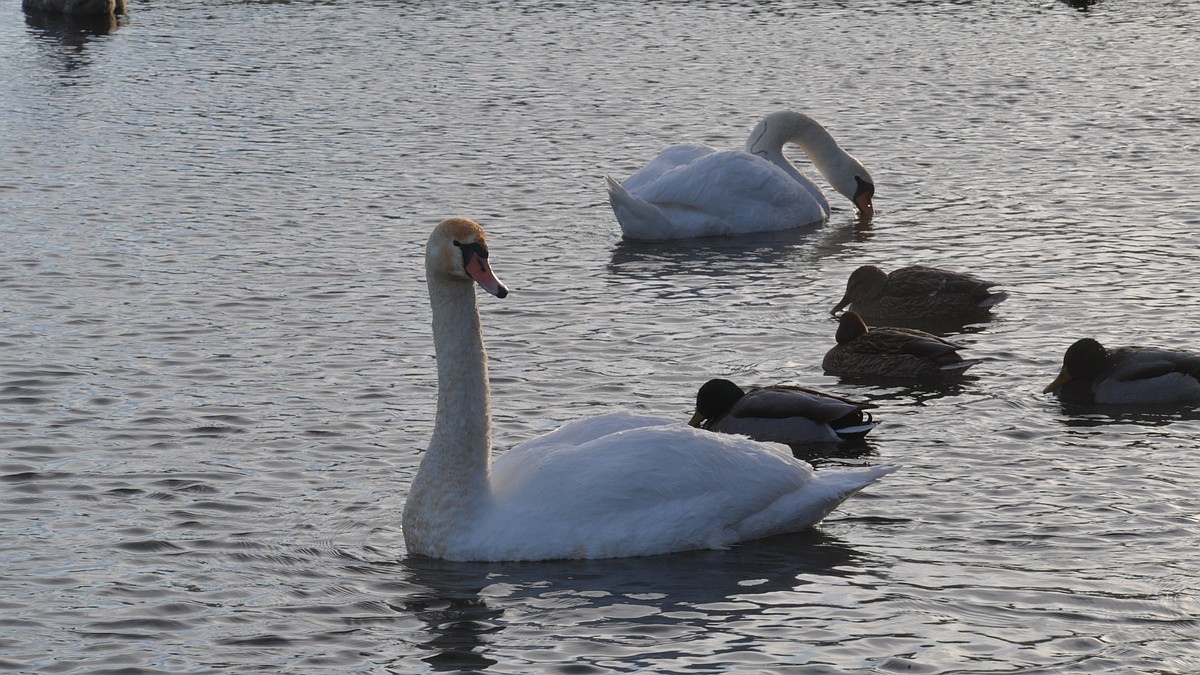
(608,486)
(695,191)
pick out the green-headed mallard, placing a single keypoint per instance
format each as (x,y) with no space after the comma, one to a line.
(781,413)
(1092,373)
(918,293)
(891,352)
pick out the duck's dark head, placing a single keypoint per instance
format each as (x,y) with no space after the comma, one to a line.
(715,398)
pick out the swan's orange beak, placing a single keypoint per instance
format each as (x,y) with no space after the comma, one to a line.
(862,198)
(865,207)
(481,272)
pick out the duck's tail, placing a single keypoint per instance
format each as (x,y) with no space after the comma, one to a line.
(994,298)
(958,366)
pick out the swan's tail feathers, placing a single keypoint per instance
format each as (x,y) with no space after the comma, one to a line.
(614,187)
(638,218)
(846,483)
(808,506)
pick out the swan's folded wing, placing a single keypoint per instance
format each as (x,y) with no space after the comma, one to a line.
(518,463)
(653,489)
(669,159)
(723,182)
(618,474)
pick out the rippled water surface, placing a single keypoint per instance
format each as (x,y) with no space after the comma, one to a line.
(216,374)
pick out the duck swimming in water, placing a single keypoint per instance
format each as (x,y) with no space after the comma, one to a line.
(1092,373)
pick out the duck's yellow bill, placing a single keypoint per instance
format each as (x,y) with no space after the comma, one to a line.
(1063,378)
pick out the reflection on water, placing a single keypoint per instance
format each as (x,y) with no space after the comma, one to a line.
(1097,415)
(462,603)
(707,256)
(458,619)
(716,256)
(908,392)
(66,40)
(71,30)
(835,454)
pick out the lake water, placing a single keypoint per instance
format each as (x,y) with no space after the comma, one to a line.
(216,374)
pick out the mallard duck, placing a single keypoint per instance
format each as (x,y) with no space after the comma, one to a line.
(891,352)
(1092,373)
(607,486)
(779,413)
(693,190)
(918,292)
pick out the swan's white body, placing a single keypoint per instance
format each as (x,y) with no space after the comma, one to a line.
(608,486)
(694,190)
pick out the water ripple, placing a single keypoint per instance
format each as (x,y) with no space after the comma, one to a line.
(216,377)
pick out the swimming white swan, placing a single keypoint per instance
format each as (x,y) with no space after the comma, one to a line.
(608,486)
(693,190)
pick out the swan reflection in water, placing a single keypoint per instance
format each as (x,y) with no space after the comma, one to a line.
(464,605)
(730,256)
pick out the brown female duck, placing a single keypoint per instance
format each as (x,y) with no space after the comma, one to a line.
(891,352)
(918,293)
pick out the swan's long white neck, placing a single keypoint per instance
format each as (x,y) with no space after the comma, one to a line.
(463,427)
(451,485)
(835,164)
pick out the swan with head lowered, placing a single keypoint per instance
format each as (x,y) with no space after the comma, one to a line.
(694,190)
(613,485)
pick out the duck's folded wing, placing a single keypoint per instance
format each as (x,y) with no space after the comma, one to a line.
(1148,362)
(786,402)
(895,340)
(928,281)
